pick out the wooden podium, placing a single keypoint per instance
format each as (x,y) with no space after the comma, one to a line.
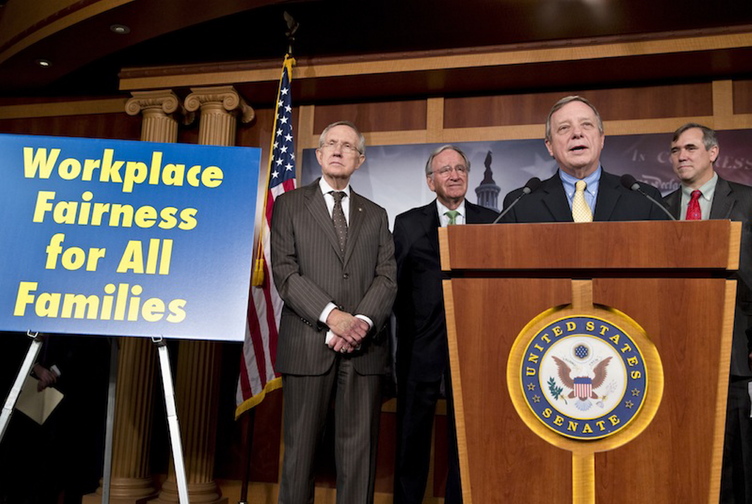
(670,278)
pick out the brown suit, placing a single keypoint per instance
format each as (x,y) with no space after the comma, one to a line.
(310,271)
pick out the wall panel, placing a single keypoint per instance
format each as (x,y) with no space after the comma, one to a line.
(500,110)
(649,102)
(743,97)
(110,126)
(375,116)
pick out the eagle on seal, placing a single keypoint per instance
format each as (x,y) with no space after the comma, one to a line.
(582,387)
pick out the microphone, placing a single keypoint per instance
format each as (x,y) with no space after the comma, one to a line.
(530,186)
(631,183)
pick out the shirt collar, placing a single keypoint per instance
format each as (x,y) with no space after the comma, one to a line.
(707,189)
(442,209)
(326,188)
(592,181)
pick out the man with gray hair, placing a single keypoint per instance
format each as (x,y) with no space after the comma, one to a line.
(705,195)
(422,354)
(333,265)
(580,190)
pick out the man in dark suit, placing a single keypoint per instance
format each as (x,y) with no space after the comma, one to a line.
(705,195)
(334,268)
(580,190)
(422,353)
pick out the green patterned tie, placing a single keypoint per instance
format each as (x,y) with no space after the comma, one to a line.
(452,214)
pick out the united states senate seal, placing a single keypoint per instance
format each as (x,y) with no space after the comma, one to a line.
(583,377)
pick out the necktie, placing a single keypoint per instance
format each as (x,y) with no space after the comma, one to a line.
(452,214)
(580,209)
(338,217)
(693,209)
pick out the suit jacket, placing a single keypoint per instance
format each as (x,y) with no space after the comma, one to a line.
(614,202)
(421,326)
(733,201)
(310,271)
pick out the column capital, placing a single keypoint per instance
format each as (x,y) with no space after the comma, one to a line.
(226,96)
(158,110)
(163,100)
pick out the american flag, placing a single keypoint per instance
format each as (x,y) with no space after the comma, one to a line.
(257,376)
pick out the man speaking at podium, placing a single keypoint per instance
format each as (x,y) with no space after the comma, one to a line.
(580,190)
(705,195)
(422,352)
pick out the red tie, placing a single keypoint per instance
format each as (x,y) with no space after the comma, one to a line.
(693,209)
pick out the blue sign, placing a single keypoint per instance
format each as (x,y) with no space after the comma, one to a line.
(111,237)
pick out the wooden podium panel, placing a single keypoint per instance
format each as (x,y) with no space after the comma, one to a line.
(685,306)
(502,456)
(626,246)
(678,457)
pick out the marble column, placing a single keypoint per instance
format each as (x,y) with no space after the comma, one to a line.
(198,368)
(132,481)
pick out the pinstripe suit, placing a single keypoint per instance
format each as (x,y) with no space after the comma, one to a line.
(310,272)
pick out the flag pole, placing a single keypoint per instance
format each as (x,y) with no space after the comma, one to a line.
(249,421)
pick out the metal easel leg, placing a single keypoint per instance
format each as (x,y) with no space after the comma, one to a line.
(10,403)
(172,420)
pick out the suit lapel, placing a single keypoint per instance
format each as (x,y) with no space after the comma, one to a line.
(608,196)
(357,214)
(555,199)
(472,215)
(673,201)
(317,206)
(723,200)
(431,224)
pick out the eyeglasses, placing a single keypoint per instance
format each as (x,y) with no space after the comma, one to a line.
(444,171)
(345,147)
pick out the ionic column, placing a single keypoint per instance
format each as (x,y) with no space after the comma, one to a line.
(131,481)
(221,107)
(158,111)
(198,376)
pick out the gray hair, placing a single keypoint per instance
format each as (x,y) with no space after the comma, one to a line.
(361,147)
(569,99)
(709,137)
(441,149)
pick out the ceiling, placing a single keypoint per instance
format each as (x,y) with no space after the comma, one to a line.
(86,56)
